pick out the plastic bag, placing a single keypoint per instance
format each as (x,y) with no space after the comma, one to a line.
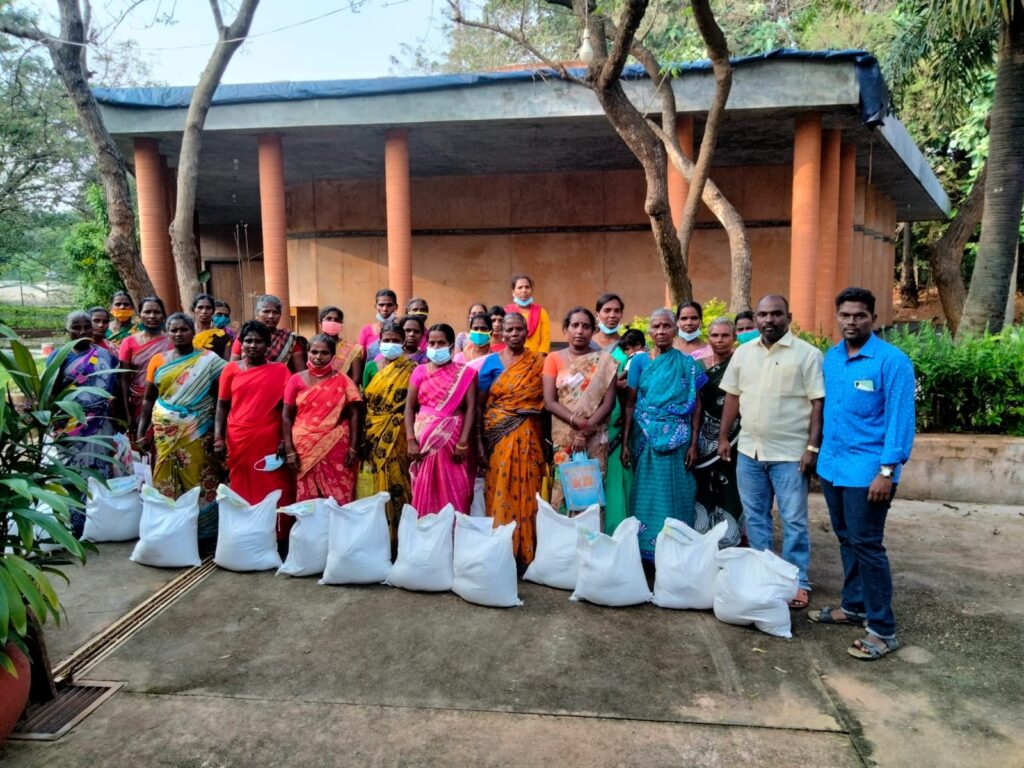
(366,483)
(141,468)
(483,563)
(246,533)
(359,542)
(168,530)
(686,566)
(307,540)
(582,484)
(478,506)
(611,572)
(112,510)
(425,551)
(753,587)
(121,465)
(557,561)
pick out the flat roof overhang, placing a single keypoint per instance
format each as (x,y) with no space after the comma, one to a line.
(532,126)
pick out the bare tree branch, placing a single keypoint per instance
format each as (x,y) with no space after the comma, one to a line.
(218,19)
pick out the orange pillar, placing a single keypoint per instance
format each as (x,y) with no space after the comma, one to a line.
(399,213)
(274,221)
(828,230)
(153,224)
(805,219)
(678,186)
(847,203)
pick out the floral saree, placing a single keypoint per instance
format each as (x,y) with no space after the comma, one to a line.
(513,434)
(385,397)
(183,432)
(137,357)
(322,439)
(346,354)
(437,479)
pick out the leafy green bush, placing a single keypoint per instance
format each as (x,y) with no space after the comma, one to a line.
(33,318)
(974,385)
(96,279)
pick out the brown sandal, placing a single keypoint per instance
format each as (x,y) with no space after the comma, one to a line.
(801,601)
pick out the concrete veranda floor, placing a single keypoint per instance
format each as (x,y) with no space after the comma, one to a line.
(258,670)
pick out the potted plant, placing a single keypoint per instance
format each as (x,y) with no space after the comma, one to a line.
(38,491)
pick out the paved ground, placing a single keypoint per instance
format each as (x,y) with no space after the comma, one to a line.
(253,670)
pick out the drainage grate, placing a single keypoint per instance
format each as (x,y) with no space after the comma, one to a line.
(103,644)
(50,721)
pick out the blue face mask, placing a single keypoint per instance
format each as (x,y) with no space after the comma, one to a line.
(522,302)
(439,355)
(391,350)
(689,336)
(221,321)
(744,336)
(270,463)
(606,330)
(480,338)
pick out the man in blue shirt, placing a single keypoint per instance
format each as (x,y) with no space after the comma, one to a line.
(868,434)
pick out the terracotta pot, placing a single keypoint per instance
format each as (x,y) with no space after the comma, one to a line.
(13,691)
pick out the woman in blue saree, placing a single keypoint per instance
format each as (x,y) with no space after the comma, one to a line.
(661,419)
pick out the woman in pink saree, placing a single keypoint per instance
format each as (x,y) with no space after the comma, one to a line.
(439,417)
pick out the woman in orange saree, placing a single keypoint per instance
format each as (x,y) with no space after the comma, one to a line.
(321,425)
(511,382)
(248,424)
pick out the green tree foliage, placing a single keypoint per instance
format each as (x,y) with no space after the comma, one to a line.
(96,279)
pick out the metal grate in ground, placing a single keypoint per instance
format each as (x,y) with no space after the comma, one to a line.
(50,721)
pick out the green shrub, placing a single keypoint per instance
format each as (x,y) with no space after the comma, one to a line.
(33,318)
(974,385)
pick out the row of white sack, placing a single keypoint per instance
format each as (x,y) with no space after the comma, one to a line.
(350,545)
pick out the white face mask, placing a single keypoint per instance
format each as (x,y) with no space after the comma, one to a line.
(439,355)
(689,336)
(391,350)
(270,463)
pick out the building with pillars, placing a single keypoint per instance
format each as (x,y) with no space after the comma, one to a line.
(444,186)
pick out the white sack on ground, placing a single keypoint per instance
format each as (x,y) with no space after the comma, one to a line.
(168,530)
(359,542)
(483,563)
(246,533)
(754,587)
(686,565)
(424,561)
(112,510)
(611,572)
(307,540)
(557,561)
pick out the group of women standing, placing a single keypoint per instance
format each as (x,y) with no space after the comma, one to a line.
(419,411)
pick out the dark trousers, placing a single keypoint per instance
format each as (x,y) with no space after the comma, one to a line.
(867,581)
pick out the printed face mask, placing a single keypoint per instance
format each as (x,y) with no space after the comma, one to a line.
(221,321)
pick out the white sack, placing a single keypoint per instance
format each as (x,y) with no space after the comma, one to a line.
(307,540)
(112,510)
(425,551)
(557,562)
(477,507)
(611,572)
(753,587)
(359,542)
(246,533)
(168,530)
(686,565)
(141,468)
(483,562)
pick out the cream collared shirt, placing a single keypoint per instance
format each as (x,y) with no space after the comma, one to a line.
(775,386)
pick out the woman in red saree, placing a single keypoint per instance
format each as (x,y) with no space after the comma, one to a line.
(439,418)
(134,354)
(248,424)
(321,425)
(512,435)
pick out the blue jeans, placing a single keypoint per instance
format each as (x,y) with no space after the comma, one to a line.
(761,481)
(867,581)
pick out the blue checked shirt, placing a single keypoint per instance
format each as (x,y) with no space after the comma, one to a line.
(869,413)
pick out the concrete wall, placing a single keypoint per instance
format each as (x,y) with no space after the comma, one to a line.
(976,468)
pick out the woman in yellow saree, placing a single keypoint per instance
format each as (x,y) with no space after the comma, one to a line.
(181,397)
(385,446)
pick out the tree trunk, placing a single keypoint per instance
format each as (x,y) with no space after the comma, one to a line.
(1004,186)
(908,269)
(68,55)
(182,230)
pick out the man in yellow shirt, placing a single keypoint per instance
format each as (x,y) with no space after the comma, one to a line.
(538,326)
(776,387)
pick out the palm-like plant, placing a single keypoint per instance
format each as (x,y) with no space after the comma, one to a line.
(34,475)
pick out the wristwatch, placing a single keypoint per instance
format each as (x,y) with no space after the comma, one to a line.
(887,470)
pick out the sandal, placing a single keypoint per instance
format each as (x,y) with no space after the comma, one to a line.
(801,601)
(824,616)
(866,650)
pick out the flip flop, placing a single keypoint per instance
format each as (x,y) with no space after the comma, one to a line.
(868,651)
(798,603)
(824,616)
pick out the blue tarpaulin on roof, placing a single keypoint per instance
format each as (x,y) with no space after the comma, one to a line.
(874,96)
